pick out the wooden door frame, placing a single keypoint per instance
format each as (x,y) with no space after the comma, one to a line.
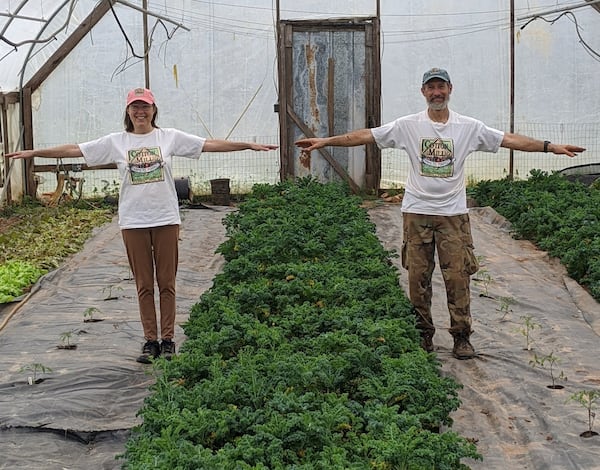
(287,116)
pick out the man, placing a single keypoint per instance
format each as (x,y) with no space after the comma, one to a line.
(435,215)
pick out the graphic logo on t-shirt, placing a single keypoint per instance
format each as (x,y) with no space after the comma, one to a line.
(145,165)
(437,157)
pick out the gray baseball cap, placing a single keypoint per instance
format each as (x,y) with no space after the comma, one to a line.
(436,73)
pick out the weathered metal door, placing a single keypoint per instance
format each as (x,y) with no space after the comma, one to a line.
(329,84)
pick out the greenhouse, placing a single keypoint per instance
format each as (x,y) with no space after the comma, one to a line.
(296,345)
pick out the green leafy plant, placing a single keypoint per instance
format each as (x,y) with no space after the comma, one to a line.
(45,236)
(504,306)
(529,324)
(480,260)
(589,400)
(88,314)
(15,277)
(549,362)
(303,354)
(484,279)
(65,339)
(35,368)
(109,189)
(129,275)
(109,292)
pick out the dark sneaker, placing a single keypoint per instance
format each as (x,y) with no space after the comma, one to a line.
(427,340)
(463,349)
(167,349)
(151,350)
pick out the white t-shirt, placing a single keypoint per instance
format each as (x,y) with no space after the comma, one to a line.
(148,197)
(437,153)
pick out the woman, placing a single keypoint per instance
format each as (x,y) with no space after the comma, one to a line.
(148,206)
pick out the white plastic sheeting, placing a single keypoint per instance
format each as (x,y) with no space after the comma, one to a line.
(216,73)
(219,78)
(30,32)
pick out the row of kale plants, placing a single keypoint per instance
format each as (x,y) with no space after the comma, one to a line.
(559,216)
(302,355)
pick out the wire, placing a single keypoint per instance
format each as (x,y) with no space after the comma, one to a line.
(445,36)
(138,56)
(593,53)
(258,29)
(51,37)
(224,24)
(126,64)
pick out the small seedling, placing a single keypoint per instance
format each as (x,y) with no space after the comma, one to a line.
(528,326)
(504,308)
(549,362)
(88,314)
(35,368)
(484,278)
(588,399)
(109,290)
(65,339)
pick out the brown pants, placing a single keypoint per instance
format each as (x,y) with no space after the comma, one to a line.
(149,249)
(451,235)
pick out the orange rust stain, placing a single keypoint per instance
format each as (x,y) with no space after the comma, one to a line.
(305,159)
(312,83)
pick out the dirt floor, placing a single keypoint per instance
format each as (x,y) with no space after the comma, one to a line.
(80,416)
(507,408)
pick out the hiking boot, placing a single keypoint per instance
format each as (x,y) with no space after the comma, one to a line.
(463,349)
(427,340)
(151,350)
(167,349)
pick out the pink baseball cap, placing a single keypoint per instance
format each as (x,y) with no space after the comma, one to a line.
(140,94)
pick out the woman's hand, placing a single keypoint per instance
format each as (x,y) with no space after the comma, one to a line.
(21,154)
(60,151)
(262,147)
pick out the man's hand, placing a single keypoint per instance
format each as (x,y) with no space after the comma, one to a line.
(527,144)
(309,144)
(351,139)
(570,150)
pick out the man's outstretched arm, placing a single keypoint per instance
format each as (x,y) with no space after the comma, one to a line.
(527,144)
(351,139)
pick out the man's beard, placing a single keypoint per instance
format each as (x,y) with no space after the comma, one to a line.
(438,106)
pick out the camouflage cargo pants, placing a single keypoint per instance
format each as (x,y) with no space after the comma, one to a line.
(451,235)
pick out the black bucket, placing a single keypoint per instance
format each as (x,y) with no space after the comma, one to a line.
(220,191)
(184,189)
